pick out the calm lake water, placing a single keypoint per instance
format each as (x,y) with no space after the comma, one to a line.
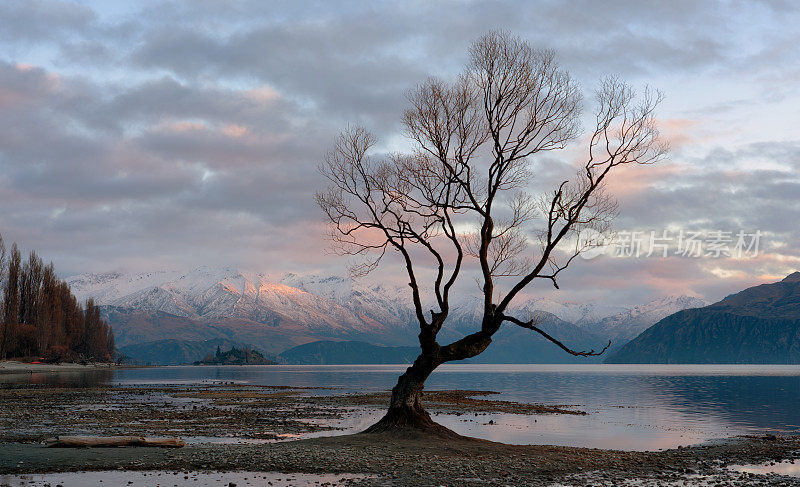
(631,407)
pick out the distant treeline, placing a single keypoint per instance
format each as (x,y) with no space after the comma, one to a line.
(40,317)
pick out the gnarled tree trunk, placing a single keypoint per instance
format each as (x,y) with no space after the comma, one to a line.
(405,409)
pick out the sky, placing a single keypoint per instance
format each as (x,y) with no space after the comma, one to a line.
(153,134)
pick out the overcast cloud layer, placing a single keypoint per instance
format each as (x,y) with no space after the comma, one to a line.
(139,135)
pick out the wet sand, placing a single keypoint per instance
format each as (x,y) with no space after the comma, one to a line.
(214,411)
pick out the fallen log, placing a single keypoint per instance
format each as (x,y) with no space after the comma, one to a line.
(113,441)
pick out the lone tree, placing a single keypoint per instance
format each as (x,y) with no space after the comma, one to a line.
(464,193)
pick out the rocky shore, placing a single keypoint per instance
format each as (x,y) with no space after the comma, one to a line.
(260,417)
(421,461)
(215,411)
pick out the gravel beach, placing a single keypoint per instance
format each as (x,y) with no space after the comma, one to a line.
(262,416)
(422,461)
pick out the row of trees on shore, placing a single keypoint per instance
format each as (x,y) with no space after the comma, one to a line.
(41,318)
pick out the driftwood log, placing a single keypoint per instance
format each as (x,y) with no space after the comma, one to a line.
(113,441)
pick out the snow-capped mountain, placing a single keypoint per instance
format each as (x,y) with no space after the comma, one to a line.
(392,304)
(222,293)
(573,312)
(251,308)
(625,326)
(384,303)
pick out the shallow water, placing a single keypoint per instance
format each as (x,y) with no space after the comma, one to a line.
(789,468)
(167,479)
(631,407)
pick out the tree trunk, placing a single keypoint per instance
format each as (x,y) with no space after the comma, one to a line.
(406,413)
(405,409)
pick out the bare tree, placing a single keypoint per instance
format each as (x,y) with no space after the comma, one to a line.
(464,193)
(2,285)
(10,300)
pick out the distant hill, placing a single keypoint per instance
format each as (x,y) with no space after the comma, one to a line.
(758,325)
(348,352)
(236,356)
(176,351)
(515,345)
(511,344)
(140,327)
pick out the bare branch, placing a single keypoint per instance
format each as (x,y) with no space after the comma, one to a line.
(531,325)
(464,190)
(625,133)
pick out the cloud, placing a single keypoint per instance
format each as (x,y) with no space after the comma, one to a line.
(168,133)
(40,20)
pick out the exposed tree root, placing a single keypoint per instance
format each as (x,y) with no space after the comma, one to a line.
(411,422)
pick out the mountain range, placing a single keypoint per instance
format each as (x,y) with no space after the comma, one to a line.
(187,314)
(758,325)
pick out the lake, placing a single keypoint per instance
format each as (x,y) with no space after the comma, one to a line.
(631,407)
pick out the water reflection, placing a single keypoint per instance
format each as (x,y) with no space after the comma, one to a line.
(67,378)
(788,468)
(755,403)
